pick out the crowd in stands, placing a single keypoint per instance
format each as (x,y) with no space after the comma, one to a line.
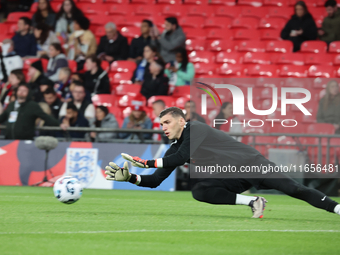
(69,65)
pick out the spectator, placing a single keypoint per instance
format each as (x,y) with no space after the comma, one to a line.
(53,101)
(82,42)
(226,113)
(64,18)
(57,61)
(137,120)
(330,30)
(301,27)
(158,106)
(96,80)
(329,105)
(150,54)
(24,42)
(44,37)
(172,38)
(11,60)
(191,114)
(138,44)
(157,84)
(44,14)
(38,81)
(180,72)
(20,116)
(62,87)
(73,118)
(85,107)
(113,46)
(104,119)
(15,78)
(1,109)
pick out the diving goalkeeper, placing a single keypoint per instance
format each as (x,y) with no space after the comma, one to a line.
(209,146)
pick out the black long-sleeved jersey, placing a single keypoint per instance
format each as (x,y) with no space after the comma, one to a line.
(201,145)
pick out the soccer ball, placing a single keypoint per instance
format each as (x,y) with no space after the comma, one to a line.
(67,189)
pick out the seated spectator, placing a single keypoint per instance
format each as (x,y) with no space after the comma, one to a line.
(44,14)
(329,105)
(226,113)
(53,101)
(138,44)
(84,106)
(11,59)
(142,70)
(96,80)
(137,120)
(180,72)
(38,81)
(113,46)
(73,118)
(301,27)
(172,38)
(57,61)
(62,87)
(20,116)
(82,42)
(157,84)
(104,119)
(330,30)
(24,42)
(190,112)
(64,19)
(15,78)
(44,37)
(158,106)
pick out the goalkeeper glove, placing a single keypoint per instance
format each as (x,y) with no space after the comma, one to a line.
(138,162)
(116,173)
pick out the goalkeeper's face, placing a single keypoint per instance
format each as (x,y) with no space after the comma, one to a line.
(172,126)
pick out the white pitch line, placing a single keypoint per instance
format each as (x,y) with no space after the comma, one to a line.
(173,230)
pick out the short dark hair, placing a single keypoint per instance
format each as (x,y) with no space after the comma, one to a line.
(19,74)
(174,111)
(94,59)
(26,20)
(72,106)
(172,20)
(160,101)
(24,85)
(82,21)
(149,22)
(50,90)
(190,101)
(104,109)
(331,3)
(57,46)
(77,83)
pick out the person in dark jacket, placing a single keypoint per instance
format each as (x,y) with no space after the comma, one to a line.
(57,61)
(53,101)
(301,27)
(96,80)
(157,84)
(191,114)
(138,44)
(113,46)
(330,30)
(20,116)
(44,14)
(24,42)
(38,81)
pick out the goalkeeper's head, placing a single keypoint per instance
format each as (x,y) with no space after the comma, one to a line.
(172,121)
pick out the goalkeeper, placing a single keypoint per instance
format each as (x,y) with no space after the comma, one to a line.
(209,146)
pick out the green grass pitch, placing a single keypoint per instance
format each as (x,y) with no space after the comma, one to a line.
(32,221)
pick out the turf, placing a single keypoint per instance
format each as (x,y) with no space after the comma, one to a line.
(32,221)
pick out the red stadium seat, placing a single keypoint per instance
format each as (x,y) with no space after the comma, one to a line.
(195,44)
(262,71)
(89,8)
(226,11)
(321,71)
(278,3)
(290,59)
(204,69)
(56,6)
(192,2)
(174,10)
(99,20)
(255,3)
(229,57)
(127,100)
(270,35)
(200,10)
(218,34)
(104,99)
(123,66)
(147,10)
(131,90)
(121,10)
(130,32)
(220,45)
(293,71)
(34,7)
(181,101)
(246,23)
(116,1)
(309,3)
(321,129)
(254,12)
(174,2)
(334,47)
(279,46)
(222,2)
(131,21)
(142,1)
(231,70)
(271,23)
(313,47)
(202,57)
(100,31)
(120,78)
(319,59)
(261,58)
(281,12)
(168,100)
(217,22)
(193,33)
(13,17)
(336,60)
(105,65)
(251,46)
(180,91)
(72,65)
(246,34)
(191,22)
